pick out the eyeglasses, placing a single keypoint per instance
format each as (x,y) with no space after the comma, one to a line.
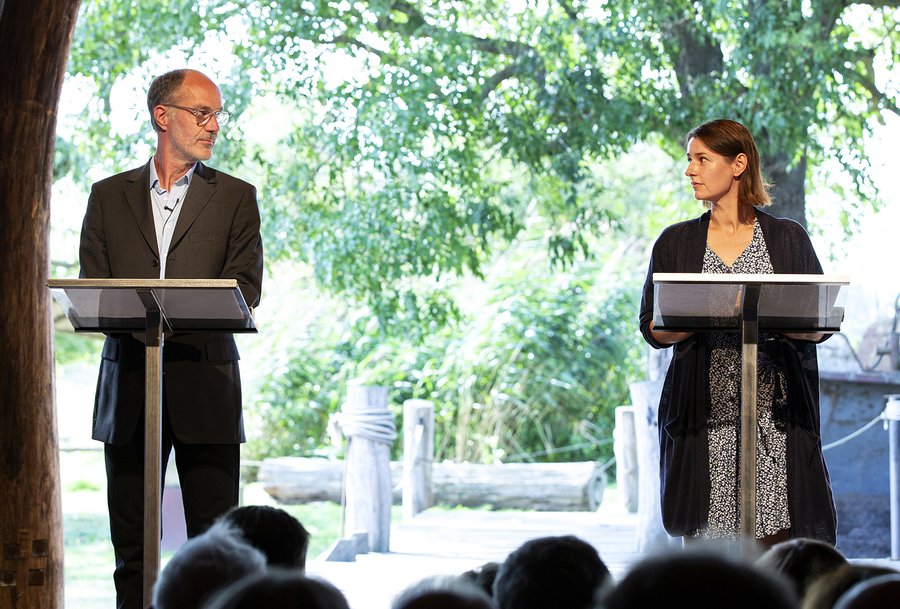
(203,116)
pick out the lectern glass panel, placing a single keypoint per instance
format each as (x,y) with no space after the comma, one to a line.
(111,305)
(202,309)
(787,303)
(109,310)
(91,309)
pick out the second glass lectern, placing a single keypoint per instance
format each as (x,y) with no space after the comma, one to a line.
(153,308)
(698,302)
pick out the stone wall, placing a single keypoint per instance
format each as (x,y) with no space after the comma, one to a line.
(851,397)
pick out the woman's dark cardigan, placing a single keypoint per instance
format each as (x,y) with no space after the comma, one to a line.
(684,406)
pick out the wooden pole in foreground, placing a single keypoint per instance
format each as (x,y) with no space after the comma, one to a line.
(35,36)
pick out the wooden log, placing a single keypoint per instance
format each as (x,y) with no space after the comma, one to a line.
(418,456)
(295,480)
(539,486)
(536,486)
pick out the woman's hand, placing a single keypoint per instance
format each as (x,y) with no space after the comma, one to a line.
(810,336)
(669,338)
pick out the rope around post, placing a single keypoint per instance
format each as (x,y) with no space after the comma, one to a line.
(376,424)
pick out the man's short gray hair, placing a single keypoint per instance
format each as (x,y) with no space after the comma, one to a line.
(162,89)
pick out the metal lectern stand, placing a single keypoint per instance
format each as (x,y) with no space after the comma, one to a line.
(696,302)
(153,308)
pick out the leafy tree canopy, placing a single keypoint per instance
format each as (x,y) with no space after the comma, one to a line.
(415,137)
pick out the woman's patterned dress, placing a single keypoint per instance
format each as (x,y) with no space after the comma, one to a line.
(724,419)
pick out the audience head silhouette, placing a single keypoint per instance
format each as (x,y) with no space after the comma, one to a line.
(443,593)
(204,564)
(882,592)
(826,590)
(699,580)
(226,568)
(279,588)
(483,576)
(274,532)
(550,572)
(801,561)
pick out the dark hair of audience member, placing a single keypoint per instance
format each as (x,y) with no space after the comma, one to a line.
(699,579)
(550,572)
(280,536)
(801,561)
(826,590)
(204,564)
(483,576)
(278,588)
(451,592)
(882,592)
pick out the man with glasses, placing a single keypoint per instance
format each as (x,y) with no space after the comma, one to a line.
(173,217)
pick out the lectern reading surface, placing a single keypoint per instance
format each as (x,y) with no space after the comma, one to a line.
(787,303)
(699,302)
(153,307)
(120,305)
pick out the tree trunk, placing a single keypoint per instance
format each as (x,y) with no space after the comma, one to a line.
(788,188)
(35,36)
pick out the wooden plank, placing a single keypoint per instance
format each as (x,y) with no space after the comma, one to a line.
(440,543)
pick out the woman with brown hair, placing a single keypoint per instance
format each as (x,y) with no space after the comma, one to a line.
(699,412)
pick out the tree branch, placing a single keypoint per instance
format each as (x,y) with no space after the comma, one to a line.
(876,3)
(350,41)
(879,98)
(827,14)
(419,26)
(570,11)
(498,77)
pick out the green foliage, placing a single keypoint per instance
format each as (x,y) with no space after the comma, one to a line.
(533,368)
(71,348)
(83,485)
(532,365)
(407,151)
(301,393)
(539,376)
(408,128)
(473,96)
(323,522)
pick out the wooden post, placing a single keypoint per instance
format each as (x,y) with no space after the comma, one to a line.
(652,537)
(369,427)
(418,456)
(34,45)
(625,448)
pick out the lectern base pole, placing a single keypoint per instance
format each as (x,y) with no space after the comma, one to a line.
(152,441)
(749,353)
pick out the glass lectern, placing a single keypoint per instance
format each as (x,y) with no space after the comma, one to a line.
(153,308)
(696,302)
